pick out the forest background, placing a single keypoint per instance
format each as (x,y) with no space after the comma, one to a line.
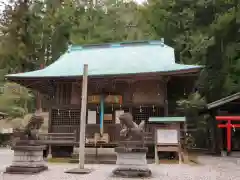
(204,32)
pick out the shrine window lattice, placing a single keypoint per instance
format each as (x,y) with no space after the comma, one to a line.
(65,116)
(143,113)
(72,116)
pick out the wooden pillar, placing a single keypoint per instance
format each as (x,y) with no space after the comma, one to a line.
(83,117)
(39,98)
(39,103)
(184,144)
(180,152)
(50,121)
(49,156)
(130,91)
(165,82)
(156,147)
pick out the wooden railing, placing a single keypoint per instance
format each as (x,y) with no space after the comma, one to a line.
(58,138)
(70,138)
(148,139)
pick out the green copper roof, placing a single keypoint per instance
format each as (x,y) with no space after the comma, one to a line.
(166,119)
(112,59)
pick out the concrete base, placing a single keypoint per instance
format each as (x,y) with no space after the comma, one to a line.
(132,162)
(133,172)
(79,171)
(25,170)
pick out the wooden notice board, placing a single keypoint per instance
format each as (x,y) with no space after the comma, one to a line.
(167,135)
(167,139)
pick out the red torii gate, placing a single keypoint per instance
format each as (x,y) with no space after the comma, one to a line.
(229,127)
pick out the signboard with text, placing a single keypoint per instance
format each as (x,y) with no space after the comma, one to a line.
(110,99)
(167,136)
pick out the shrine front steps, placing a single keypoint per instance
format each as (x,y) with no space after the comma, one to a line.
(101,159)
(93,159)
(235,154)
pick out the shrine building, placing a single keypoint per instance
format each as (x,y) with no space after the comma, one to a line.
(139,77)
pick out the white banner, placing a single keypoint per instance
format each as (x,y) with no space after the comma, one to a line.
(92,117)
(117,114)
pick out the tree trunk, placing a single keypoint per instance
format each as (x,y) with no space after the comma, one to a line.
(215,133)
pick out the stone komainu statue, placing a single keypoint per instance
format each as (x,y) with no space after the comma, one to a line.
(28,153)
(130,130)
(131,153)
(30,131)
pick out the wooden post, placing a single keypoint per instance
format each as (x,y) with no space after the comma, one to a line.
(39,103)
(180,159)
(156,146)
(39,98)
(165,82)
(83,117)
(185,152)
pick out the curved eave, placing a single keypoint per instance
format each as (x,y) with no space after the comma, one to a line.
(18,77)
(38,85)
(41,84)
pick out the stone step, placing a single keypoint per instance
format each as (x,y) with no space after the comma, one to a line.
(102,161)
(235,154)
(94,161)
(100,156)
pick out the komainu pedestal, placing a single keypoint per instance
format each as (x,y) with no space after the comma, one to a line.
(27,160)
(132,162)
(28,154)
(131,153)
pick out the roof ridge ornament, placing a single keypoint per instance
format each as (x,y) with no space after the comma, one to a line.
(162,40)
(115,45)
(69,48)
(73,47)
(157,42)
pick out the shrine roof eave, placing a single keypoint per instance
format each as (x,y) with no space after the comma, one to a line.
(41,84)
(180,72)
(223,101)
(166,119)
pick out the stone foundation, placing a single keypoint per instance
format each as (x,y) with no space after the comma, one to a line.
(132,162)
(27,160)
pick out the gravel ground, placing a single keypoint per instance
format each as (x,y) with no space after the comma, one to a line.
(211,168)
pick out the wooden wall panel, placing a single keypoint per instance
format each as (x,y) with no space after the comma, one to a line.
(148,92)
